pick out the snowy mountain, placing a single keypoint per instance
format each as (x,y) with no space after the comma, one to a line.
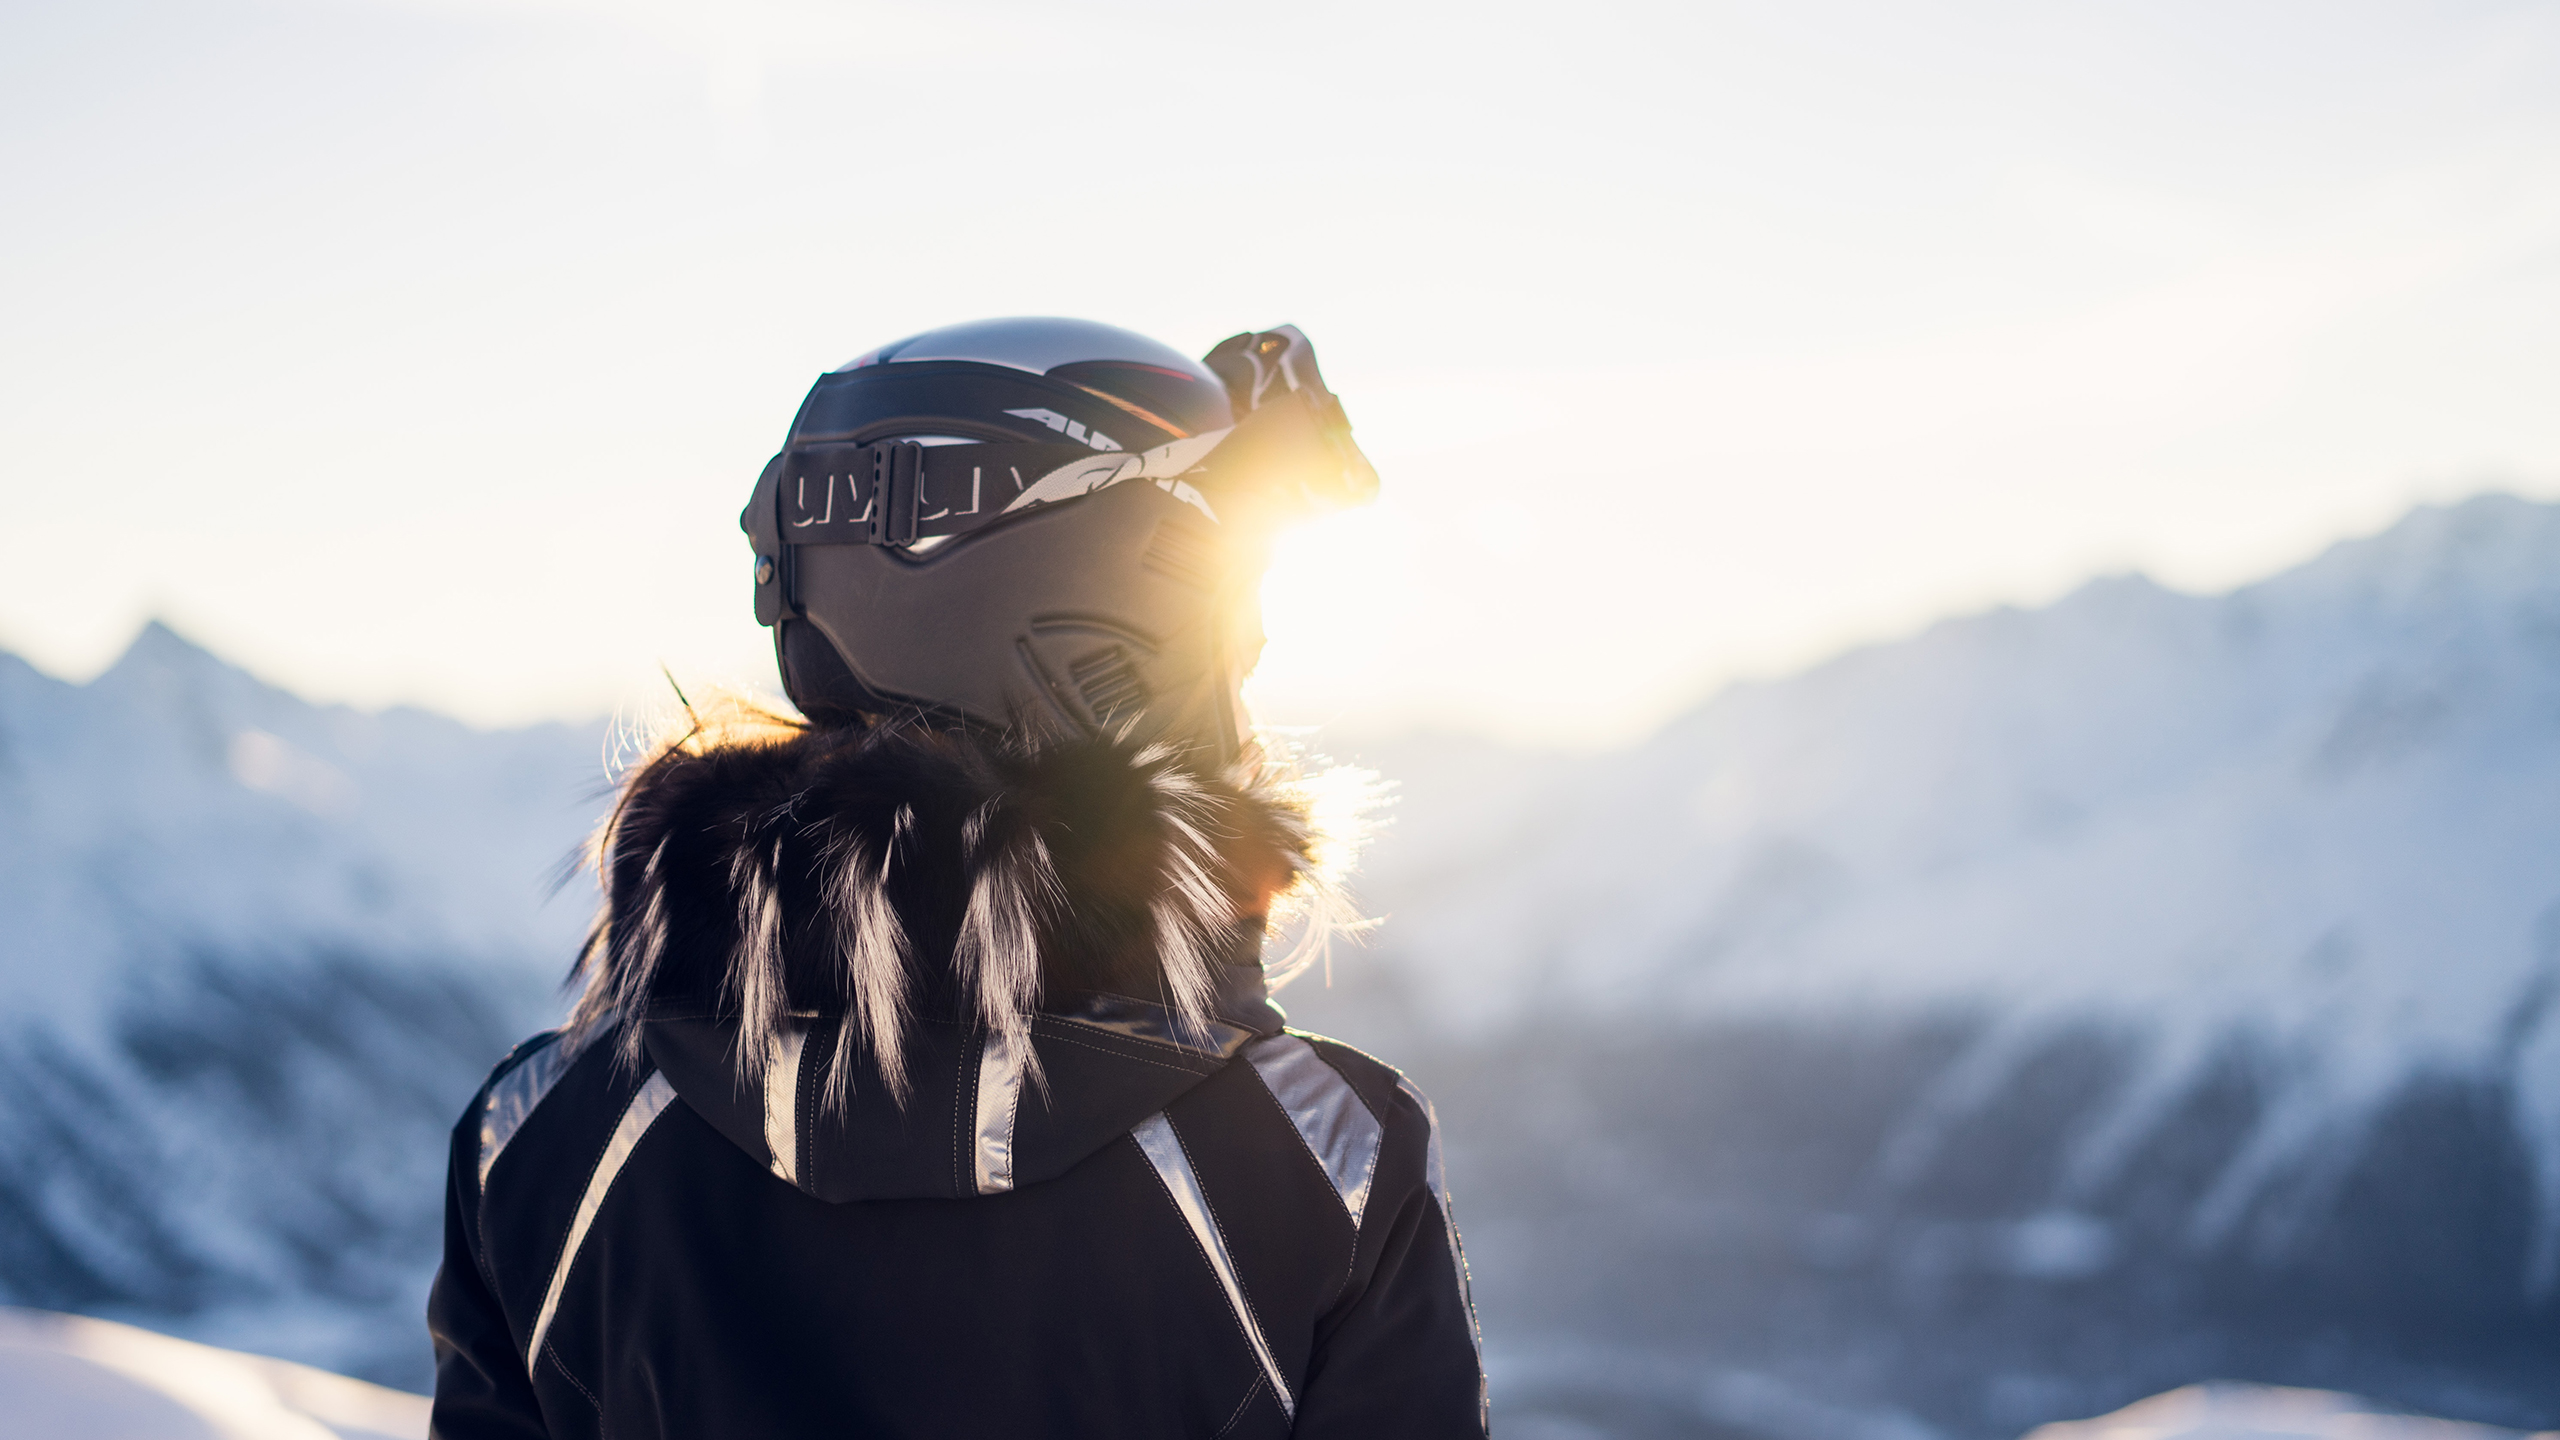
(69,1377)
(2033,1013)
(257,955)
(2256,1412)
(1980,1030)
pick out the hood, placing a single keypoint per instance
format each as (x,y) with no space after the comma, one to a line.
(976,1121)
(896,962)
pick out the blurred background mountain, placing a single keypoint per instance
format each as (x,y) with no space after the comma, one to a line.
(2037,1013)
(1981,1029)
(256,955)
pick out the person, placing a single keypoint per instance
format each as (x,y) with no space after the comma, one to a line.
(924,1079)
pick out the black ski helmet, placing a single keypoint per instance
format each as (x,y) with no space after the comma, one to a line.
(1044,523)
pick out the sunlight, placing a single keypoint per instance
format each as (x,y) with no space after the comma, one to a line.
(1337,607)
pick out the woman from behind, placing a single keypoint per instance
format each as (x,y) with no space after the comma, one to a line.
(924,1079)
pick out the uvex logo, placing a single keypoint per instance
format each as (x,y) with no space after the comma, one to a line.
(845,498)
(1073,430)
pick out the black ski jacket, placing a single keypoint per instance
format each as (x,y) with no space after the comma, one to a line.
(1111,1224)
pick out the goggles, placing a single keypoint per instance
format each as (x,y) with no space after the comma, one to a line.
(1290,454)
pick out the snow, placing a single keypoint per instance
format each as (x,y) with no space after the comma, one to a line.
(68,1377)
(175,801)
(2316,820)
(2262,1412)
(257,953)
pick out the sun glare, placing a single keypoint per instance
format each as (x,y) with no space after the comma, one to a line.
(1336,604)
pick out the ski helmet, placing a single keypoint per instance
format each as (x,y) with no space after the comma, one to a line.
(1043,523)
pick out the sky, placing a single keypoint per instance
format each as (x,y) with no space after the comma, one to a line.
(424,351)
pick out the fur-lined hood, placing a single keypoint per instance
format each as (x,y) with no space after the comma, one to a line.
(919,961)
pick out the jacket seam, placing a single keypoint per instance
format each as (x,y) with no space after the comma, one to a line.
(804,1101)
(595,1158)
(1386,1133)
(1012,1132)
(1242,1289)
(1348,1079)
(560,1247)
(1200,1250)
(1242,1406)
(563,1367)
(508,1064)
(1206,1058)
(1325,1178)
(964,1105)
(1042,1021)
(1136,1059)
(480,1214)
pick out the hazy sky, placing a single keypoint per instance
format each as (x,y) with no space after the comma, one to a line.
(426,351)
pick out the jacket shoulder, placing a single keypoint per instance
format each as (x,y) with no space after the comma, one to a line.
(517,1086)
(1410,1122)
(1387,1092)
(520,1052)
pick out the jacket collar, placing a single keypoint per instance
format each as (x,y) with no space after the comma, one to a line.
(907,961)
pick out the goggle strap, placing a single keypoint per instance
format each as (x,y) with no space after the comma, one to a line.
(897,492)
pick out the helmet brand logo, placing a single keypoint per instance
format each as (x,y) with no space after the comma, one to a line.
(858,485)
(853,485)
(1069,428)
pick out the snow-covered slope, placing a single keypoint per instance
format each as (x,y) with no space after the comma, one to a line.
(256,955)
(2263,1412)
(176,795)
(2059,1001)
(2320,815)
(67,1377)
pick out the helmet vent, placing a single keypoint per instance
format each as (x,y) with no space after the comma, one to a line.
(1181,552)
(1109,683)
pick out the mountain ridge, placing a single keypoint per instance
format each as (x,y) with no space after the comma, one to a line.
(2139,940)
(2138,987)
(1943,822)
(259,952)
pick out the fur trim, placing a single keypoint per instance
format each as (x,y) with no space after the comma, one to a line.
(765,869)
